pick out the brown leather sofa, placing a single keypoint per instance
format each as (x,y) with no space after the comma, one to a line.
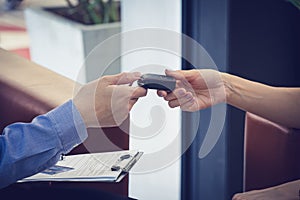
(271,161)
(28,90)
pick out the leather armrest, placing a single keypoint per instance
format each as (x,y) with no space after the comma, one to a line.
(287,191)
(28,90)
(271,153)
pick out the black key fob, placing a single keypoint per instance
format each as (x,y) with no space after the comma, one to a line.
(157,82)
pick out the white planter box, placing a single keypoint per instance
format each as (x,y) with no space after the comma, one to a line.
(62,45)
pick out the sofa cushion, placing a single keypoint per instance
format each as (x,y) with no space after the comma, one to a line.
(287,191)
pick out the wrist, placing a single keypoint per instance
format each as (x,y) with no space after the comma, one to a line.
(229,89)
(70,126)
(83,112)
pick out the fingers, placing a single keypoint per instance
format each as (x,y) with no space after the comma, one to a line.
(129,94)
(138,92)
(179,84)
(176,98)
(176,74)
(122,78)
(182,74)
(131,103)
(161,93)
(189,105)
(181,95)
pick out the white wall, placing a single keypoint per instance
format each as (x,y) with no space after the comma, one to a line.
(154,128)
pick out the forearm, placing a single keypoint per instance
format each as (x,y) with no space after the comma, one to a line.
(280,105)
(28,148)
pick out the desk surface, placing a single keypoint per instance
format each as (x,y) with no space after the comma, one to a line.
(35,79)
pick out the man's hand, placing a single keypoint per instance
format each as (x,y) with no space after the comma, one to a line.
(106,102)
(195,89)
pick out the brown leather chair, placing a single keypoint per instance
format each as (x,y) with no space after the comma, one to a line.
(271,160)
(28,90)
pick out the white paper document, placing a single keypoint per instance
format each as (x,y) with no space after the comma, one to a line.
(108,166)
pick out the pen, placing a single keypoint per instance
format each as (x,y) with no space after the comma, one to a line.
(62,157)
(132,161)
(123,157)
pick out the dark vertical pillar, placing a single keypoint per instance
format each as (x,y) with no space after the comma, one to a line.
(206,22)
(258,40)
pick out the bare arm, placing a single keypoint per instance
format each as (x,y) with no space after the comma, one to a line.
(278,104)
(200,89)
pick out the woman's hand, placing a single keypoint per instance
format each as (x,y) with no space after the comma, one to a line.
(195,89)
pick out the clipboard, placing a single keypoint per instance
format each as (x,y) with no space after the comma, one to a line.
(93,167)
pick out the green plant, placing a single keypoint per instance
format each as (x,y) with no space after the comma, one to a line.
(94,11)
(295,3)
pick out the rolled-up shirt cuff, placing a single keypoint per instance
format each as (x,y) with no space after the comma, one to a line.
(69,125)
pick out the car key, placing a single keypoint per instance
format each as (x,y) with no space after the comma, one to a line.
(158,82)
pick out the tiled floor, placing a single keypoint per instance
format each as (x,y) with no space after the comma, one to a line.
(13,33)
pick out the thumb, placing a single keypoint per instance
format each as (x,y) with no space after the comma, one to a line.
(175,74)
(182,74)
(123,78)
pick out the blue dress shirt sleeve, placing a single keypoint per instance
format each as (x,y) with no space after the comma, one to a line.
(29,148)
